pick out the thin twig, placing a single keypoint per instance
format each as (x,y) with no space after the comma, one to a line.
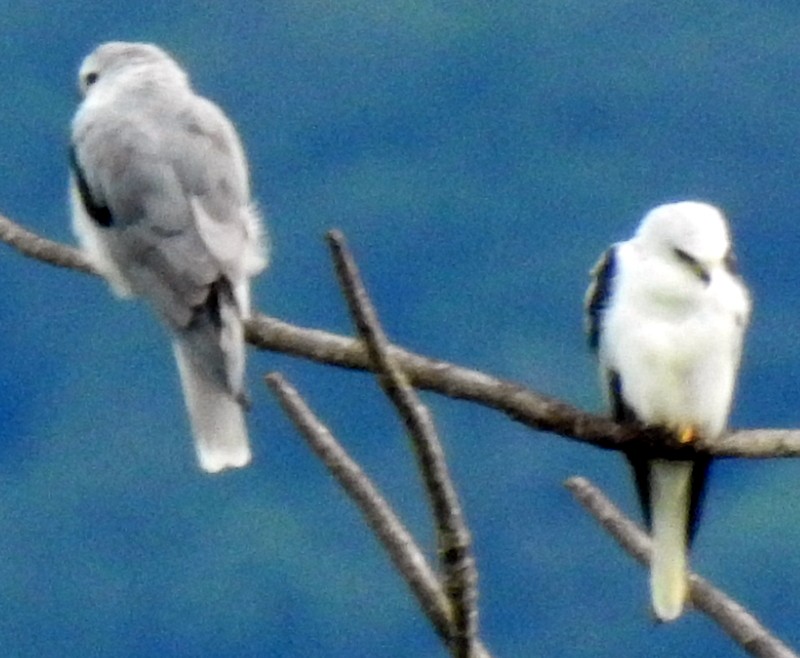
(454,540)
(519,403)
(737,622)
(396,540)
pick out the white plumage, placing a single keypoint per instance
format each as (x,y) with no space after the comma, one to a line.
(161,205)
(667,314)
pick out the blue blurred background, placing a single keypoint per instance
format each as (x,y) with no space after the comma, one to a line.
(479,157)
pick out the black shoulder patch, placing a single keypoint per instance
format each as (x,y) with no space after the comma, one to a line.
(598,294)
(620,411)
(98,212)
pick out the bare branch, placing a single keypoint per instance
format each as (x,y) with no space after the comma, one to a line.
(514,400)
(517,402)
(396,540)
(391,532)
(757,444)
(737,622)
(740,624)
(42,249)
(523,405)
(454,539)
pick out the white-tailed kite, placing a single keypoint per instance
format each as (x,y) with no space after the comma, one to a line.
(161,205)
(666,316)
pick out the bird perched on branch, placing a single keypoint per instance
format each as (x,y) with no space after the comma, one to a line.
(666,315)
(161,204)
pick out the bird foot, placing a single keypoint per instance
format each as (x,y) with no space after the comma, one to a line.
(687,435)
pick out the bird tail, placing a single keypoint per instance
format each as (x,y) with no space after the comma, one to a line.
(670,487)
(216,415)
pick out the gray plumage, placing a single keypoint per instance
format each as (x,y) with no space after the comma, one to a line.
(161,205)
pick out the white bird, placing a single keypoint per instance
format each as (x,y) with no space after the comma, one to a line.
(161,204)
(666,315)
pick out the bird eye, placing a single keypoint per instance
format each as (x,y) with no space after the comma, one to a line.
(697,269)
(91,78)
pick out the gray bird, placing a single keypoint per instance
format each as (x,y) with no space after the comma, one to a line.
(161,205)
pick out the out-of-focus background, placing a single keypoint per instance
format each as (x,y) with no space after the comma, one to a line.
(479,157)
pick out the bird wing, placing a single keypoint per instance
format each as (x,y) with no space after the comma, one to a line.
(598,295)
(143,176)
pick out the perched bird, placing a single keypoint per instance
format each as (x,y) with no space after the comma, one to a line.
(666,315)
(161,204)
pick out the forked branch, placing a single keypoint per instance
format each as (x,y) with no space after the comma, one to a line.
(378,514)
(399,370)
(453,536)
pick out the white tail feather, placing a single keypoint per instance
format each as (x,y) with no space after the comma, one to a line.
(670,497)
(217,418)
